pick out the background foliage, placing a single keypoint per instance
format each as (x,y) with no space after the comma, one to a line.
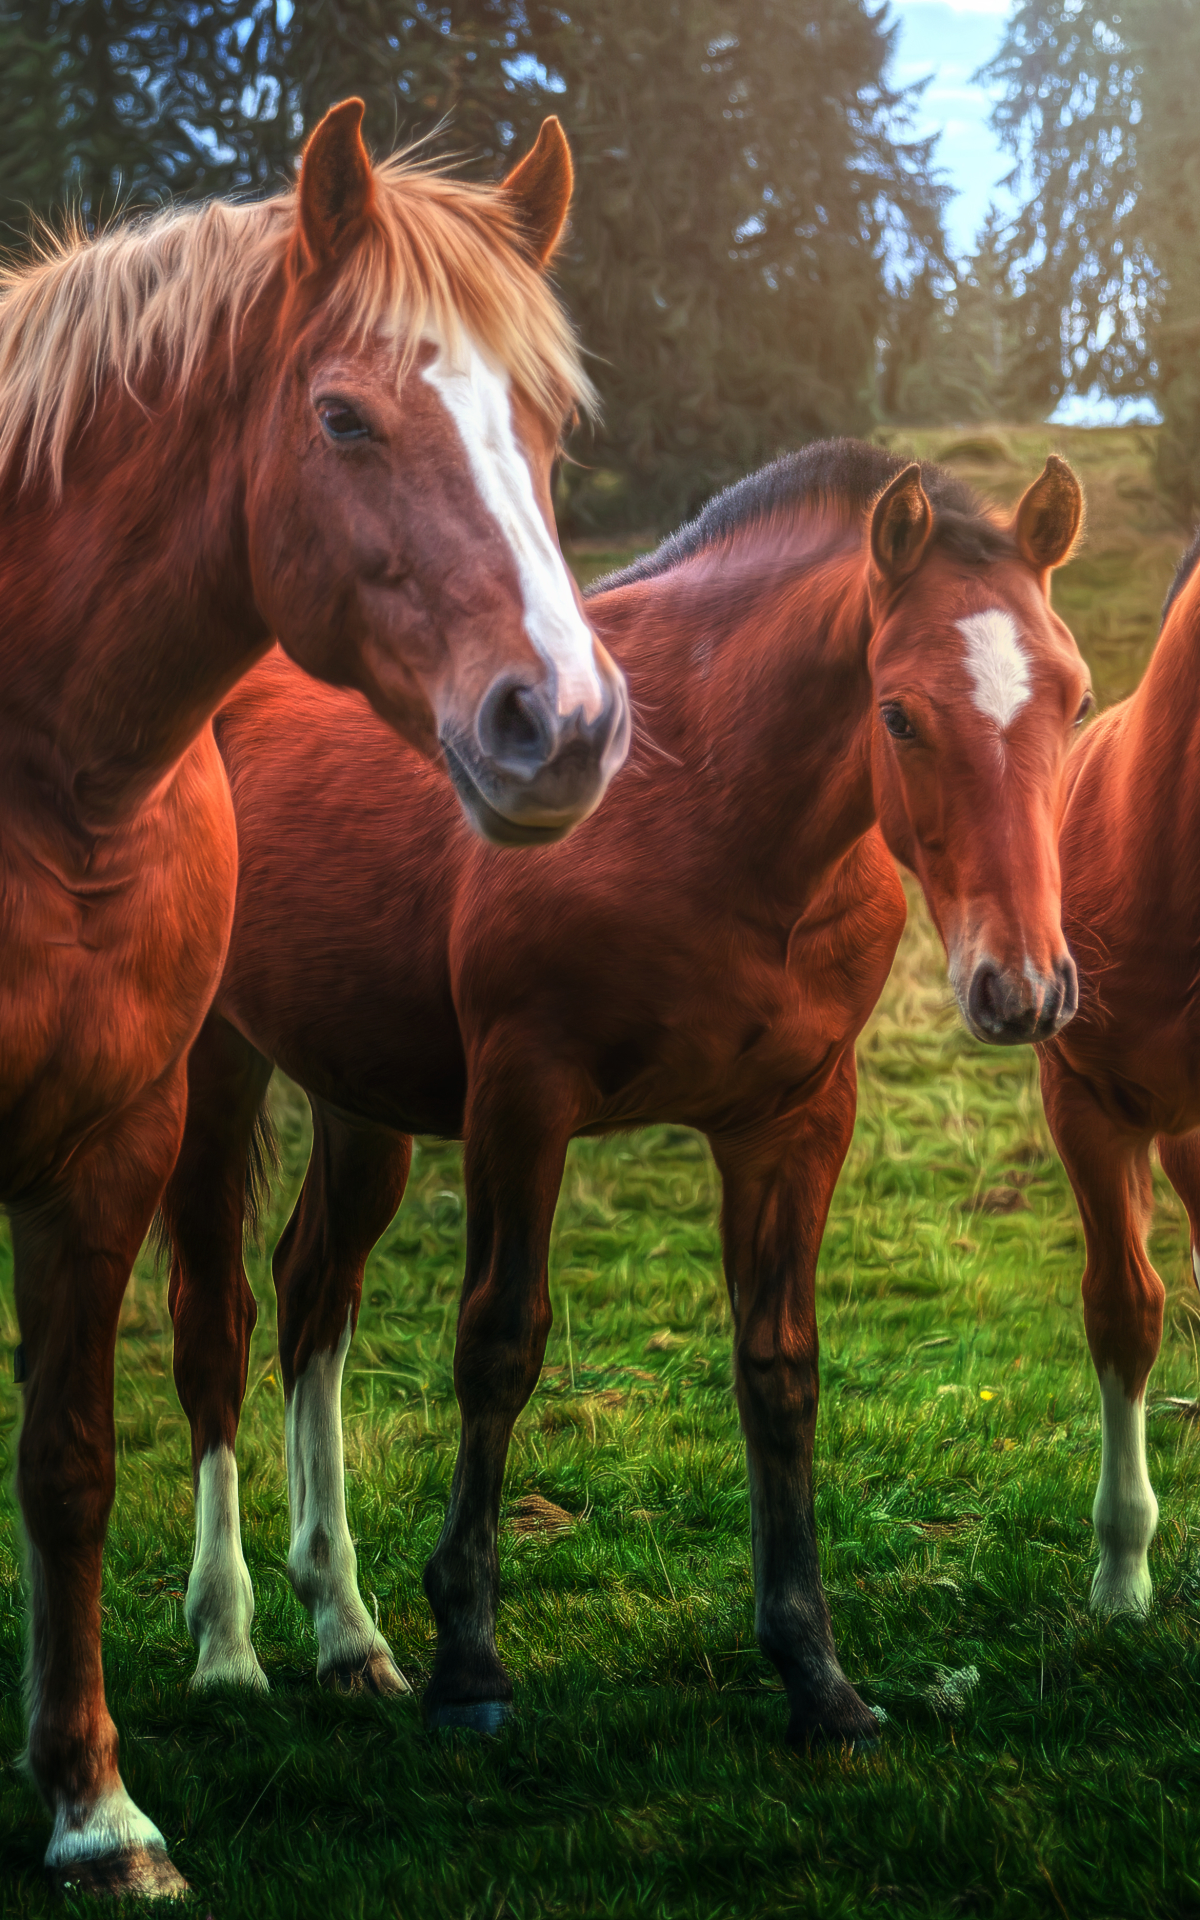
(757,253)
(746,189)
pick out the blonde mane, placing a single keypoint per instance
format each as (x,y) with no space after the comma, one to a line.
(439,255)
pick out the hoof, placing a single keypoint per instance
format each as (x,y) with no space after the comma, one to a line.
(144,1872)
(242,1672)
(478,1716)
(376,1673)
(845,1725)
(1122,1589)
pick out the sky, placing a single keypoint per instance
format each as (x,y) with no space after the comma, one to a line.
(950,40)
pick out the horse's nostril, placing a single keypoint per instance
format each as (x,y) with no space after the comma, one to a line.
(983,1000)
(513,725)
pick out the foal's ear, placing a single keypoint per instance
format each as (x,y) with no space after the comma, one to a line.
(540,188)
(337,187)
(901,524)
(1049,516)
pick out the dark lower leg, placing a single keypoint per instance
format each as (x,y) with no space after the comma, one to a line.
(213,1311)
(513,1166)
(355,1182)
(776,1197)
(72,1255)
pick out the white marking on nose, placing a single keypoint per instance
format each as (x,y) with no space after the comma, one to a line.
(998,664)
(479,401)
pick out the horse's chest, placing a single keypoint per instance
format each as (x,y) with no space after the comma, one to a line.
(105,977)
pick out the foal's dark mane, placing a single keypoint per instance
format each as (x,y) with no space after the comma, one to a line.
(850,472)
(1183,572)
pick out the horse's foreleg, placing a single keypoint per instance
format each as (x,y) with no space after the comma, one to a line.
(73,1250)
(1109,1170)
(213,1310)
(517,1130)
(777,1188)
(354,1184)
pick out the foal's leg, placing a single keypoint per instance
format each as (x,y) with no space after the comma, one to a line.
(778,1183)
(354,1184)
(1109,1170)
(213,1310)
(518,1126)
(73,1250)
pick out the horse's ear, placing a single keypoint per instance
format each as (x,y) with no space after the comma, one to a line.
(1047,521)
(901,524)
(337,187)
(540,188)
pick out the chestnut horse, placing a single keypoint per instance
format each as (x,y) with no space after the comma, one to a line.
(838,645)
(1129,1071)
(331,417)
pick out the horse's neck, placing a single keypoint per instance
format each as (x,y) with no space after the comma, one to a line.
(760,691)
(127,614)
(1135,806)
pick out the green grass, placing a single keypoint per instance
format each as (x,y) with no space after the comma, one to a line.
(646,1773)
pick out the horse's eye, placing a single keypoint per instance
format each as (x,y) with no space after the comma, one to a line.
(1085,707)
(897,721)
(341,422)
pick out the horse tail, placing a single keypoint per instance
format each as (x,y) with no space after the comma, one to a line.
(263,1163)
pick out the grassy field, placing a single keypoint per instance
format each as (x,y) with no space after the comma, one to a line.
(1034,1761)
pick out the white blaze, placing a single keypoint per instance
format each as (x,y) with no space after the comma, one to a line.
(478,400)
(998,664)
(1126,1512)
(220,1598)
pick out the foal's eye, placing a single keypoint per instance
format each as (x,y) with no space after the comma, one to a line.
(341,422)
(1085,707)
(897,721)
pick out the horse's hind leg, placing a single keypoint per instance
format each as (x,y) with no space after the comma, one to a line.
(518,1126)
(1180,1156)
(213,1311)
(1109,1169)
(73,1252)
(354,1184)
(777,1188)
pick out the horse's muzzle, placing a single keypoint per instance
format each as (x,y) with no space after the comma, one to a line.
(1009,1008)
(525,773)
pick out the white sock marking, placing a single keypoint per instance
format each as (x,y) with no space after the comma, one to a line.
(112,1824)
(478,400)
(1125,1513)
(998,665)
(220,1598)
(322,1565)
(1196,1264)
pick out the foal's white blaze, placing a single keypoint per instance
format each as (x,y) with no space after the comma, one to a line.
(322,1565)
(220,1598)
(998,664)
(1126,1512)
(478,400)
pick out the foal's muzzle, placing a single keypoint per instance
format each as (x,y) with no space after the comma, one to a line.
(1009,1009)
(525,773)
